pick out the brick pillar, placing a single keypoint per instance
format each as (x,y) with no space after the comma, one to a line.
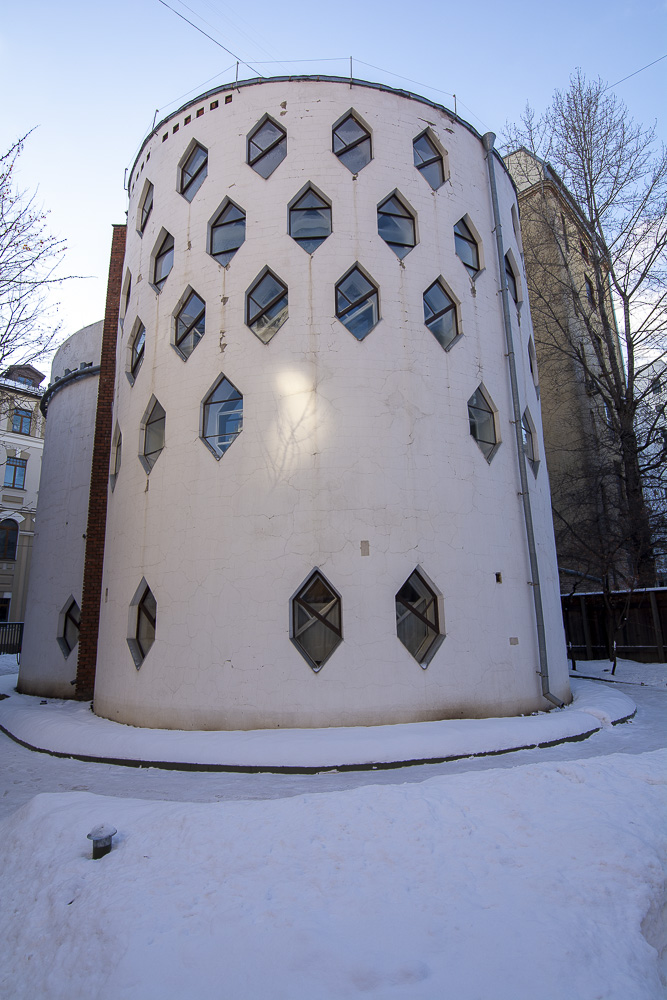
(99,478)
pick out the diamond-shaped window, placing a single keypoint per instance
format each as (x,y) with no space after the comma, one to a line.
(316,620)
(417,618)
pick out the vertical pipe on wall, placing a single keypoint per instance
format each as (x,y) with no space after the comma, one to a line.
(488,141)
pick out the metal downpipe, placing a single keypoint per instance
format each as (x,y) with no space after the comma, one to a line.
(488,141)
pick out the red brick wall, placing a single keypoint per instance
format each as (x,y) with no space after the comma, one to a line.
(99,480)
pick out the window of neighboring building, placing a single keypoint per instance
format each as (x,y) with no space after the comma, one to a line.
(146,208)
(9,534)
(510,277)
(396,226)
(529,438)
(143,620)
(222,416)
(266,306)
(352,144)
(590,294)
(227,233)
(70,627)
(21,421)
(481,414)
(428,160)
(153,436)
(164,261)
(466,247)
(137,349)
(193,171)
(584,251)
(24,380)
(5,603)
(267,147)
(417,619)
(190,325)
(316,625)
(357,303)
(440,315)
(310,220)
(15,472)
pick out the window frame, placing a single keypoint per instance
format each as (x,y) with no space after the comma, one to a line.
(253,160)
(439,157)
(531,451)
(296,630)
(455,307)
(437,626)
(512,280)
(159,254)
(189,330)
(135,357)
(136,609)
(144,215)
(252,319)
(204,415)
(147,421)
(23,414)
(67,617)
(375,291)
(214,225)
(7,543)
(116,457)
(408,213)
(19,465)
(492,410)
(474,241)
(349,147)
(188,187)
(294,207)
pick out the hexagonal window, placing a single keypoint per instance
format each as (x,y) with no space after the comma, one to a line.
(193,170)
(266,306)
(529,438)
(467,246)
(227,232)
(428,160)
(396,225)
(482,415)
(136,346)
(267,146)
(145,208)
(142,622)
(310,219)
(418,619)
(316,620)
(163,259)
(152,434)
(352,143)
(116,457)
(357,303)
(512,279)
(440,314)
(69,624)
(222,416)
(189,324)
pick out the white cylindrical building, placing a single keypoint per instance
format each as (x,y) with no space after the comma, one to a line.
(49,653)
(315,517)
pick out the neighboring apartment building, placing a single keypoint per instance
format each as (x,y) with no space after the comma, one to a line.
(654,416)
(21,446)
(579,356)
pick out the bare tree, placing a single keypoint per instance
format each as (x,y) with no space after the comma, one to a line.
(593,197)
(29,259)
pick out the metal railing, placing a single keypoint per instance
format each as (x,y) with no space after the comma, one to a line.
(11,637)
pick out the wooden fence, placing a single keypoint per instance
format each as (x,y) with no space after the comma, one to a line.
(642,636)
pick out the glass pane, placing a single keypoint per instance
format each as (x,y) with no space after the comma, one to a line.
(443,327)
(228,236)
(353,287)
(263,138)
(416,634)
(196,159)
(270,321)
(317,638)
(423,150)
(310,200)
(270,160)
(435,300)
(361,319)
(223,416)
(434,174)
(310,223)
(164,261)
(138,345)
(396,230)
(356,159)
(264,291)
(346,133)
(191,314)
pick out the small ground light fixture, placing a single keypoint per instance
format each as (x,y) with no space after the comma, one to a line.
(101,837)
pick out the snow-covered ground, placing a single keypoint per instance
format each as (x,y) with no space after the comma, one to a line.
(536,874)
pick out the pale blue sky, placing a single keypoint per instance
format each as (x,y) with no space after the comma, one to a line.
(91,76)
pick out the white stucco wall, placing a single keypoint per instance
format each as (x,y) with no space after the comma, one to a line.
(343,441)
(61,521)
